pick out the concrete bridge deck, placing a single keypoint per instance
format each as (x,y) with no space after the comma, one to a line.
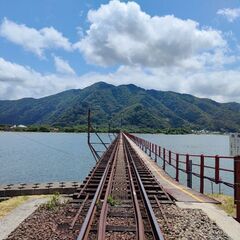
(11,190)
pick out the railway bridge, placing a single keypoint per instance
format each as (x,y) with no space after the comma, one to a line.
(128,196)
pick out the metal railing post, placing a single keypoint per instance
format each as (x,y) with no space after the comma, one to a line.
(150,149)
(155,152)
(189,174)
(216,169)
(177,167)
(202,173)
(187,163)
(237,186)
(164,158)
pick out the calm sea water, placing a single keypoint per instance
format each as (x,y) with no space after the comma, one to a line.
(197,144)
(43,157)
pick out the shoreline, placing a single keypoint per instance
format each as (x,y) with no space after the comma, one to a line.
(153,133)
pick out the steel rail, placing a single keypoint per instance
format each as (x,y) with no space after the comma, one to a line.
(78,212)
(104,210)
(138,216)
(162,211)
(158,235)
(83,235)
(150,173)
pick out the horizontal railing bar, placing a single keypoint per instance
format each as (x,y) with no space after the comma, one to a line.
(166,157)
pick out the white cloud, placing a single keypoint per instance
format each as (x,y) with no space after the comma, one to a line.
(36,41)
(62,66)
(12,72)
(19,81)
(230,13)
(121,33)
(164,53)
(220,85)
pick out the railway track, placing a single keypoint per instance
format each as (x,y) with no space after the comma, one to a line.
(120,198)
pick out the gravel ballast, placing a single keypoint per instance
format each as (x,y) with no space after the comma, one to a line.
(54,224)
(189,224)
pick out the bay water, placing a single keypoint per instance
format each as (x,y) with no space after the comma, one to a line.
(48,157)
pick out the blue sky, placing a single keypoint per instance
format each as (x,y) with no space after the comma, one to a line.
(50,46)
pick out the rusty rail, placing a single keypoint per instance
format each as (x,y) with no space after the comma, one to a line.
(158,235)
(138,216)
(83,235)
(104,210)
(120,161)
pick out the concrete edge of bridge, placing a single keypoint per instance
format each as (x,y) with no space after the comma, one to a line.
(13,219)
(21,189)
(227,223)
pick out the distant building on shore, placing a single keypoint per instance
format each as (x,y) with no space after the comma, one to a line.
(18,126)
(234,144)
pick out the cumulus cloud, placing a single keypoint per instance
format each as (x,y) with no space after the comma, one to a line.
(19,81)
(12,72)
(62,66)
(230,13)
(121,33)
(164,53)
(33,40)
(219,85)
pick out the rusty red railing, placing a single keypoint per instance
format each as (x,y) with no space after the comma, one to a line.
(181,162)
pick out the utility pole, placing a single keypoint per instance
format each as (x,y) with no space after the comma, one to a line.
(121,121)
(89,124)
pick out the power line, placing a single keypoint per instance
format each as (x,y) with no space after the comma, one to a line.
(47,146)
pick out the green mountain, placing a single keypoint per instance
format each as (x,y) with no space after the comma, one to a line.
(126,105)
